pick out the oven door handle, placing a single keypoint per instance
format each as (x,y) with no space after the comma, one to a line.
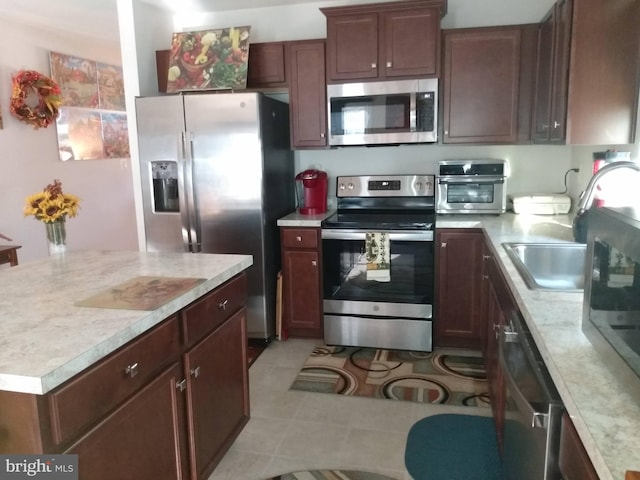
(482,180)
(538,419)
(406,236)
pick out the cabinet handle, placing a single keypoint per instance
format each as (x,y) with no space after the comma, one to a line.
(486,257)
(314,263)
(223,305)
(545,127)
(298,238)
(486,277)
(443,244)
(195,372)
(322,135)
(389,64)
(181,385)
(446,132)
(374,65)
(556,124)
(131,370)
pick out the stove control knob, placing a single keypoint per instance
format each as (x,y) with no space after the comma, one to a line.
(418,185)
(350,186)
(342,186)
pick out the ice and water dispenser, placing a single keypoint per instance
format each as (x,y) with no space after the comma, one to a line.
(165,186)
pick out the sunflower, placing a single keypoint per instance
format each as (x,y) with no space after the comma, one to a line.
(52,205)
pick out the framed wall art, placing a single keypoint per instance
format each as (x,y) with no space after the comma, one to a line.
(93,122)
(209,59)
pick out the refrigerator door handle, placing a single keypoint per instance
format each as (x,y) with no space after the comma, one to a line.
(192,226)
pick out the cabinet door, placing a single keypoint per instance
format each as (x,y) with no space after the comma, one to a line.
(266,65)
(495,318)
(560,78)
(458,288)
(410,41)
(307,94)
(352,46)
(116,448)
(481,85)
(302,293)
(544,69)
(573,459)
(217,393)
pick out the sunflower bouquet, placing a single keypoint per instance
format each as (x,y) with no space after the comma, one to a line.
(52,205)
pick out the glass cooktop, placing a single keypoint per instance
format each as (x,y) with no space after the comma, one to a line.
(380,221)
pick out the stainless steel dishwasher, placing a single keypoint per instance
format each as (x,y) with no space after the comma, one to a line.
(533,408)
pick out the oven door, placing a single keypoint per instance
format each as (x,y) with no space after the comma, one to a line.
(371,313)
(471,195)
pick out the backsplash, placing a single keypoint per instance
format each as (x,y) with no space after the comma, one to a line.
(532,168)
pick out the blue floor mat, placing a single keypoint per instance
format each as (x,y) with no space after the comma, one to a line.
(453,447)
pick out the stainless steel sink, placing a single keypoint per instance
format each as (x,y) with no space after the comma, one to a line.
(549,266)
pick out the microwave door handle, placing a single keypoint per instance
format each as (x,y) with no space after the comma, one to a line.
(538,419)
(412,112)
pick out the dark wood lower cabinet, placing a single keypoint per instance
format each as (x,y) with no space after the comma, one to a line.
(217,392)
(143,439)
(574,460)
(458,321)
(302,282)
(495,318)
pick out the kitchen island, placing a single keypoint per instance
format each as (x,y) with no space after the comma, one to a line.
(102,380)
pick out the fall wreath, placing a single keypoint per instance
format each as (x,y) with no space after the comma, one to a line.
(35,99)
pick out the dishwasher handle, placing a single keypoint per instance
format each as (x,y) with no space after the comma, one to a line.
(538,419)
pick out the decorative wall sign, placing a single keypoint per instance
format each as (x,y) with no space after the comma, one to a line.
(209,59)
(93,120)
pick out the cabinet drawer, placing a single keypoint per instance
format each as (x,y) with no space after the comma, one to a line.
(98,390)
(211,311)
(299,238)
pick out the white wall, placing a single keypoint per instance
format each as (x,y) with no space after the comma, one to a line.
(533,169)
(30,157)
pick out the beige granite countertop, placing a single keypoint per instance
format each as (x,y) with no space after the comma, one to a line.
(296,219)
(46,339)
(599,391)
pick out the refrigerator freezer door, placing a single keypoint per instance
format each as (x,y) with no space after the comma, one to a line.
(161,139)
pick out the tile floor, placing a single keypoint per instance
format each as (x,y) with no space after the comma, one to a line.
(292,430)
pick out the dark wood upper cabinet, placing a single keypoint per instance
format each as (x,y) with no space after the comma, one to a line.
(267,65)
(487,86)
(307,94)
(550,105)
(385,40)
(588,73)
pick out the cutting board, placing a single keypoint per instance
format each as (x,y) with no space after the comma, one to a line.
(141,293)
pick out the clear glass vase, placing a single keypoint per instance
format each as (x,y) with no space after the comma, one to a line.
(56,237)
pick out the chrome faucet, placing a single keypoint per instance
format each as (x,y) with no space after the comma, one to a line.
(586,197)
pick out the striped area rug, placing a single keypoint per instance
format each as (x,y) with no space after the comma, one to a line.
(448,377)
(331,475)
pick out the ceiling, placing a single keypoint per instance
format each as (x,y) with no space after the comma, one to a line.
(99,19)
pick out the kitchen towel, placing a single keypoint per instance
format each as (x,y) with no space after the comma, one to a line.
(377,254)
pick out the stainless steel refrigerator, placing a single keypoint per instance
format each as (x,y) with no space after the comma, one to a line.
(217,172)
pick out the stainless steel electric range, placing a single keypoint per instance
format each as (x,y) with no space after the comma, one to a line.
(378,263)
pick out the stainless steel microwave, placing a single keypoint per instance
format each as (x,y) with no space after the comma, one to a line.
(390,112)
(612,282)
